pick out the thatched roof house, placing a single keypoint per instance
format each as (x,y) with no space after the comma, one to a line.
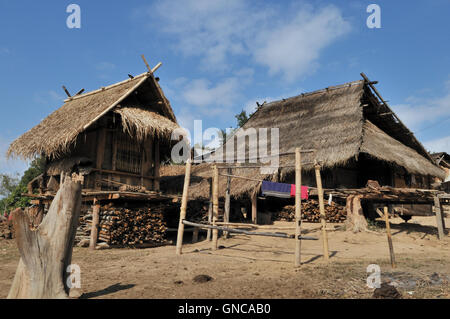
(443,160)
(356,136)
(117,134)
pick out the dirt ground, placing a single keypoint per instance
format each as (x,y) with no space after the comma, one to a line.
(262,267)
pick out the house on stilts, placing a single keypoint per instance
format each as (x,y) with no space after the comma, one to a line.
(356,138)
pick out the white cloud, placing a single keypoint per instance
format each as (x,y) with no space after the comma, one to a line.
(293,47)
(10,166)
(286,42)
(439,145)
(201,93)
(422,112)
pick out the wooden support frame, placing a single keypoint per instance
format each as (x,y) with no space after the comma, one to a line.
(298,206)
(389,237)
(184,200)
(323,221)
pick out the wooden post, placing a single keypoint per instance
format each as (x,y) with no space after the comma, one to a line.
(195,235)
(389,237)
(255,208)
(227,201)
(322,214)
(95,224)
(210,209)
(298,206)
(215,206)
(184,200)
(439,218)
(101,140)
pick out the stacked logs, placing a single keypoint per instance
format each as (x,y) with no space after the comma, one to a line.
(6,230)
(334,213)
(121,226)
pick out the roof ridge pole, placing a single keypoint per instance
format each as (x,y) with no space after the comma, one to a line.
(367,81)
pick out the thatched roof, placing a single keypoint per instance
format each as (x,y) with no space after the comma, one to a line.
(442,159)
(335,123)
(141,122)
(56,134)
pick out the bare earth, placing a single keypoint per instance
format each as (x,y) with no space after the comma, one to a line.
(262,267)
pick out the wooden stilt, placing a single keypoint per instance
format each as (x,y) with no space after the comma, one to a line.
(255,208)
(389,236)
(322,214)
(439,218)
(184,200)
(215,232)
(227,201)
(298,206)
(210,209)
(195,235)
(95,224)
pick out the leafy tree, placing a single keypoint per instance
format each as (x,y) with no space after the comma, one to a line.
(13,190)
(241,118)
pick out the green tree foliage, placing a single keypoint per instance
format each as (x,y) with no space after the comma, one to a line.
(12,189)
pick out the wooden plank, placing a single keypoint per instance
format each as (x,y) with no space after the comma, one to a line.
(298,206)
(439,218)
(184,200)
(389,237)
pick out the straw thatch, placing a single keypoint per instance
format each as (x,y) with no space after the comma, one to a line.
(55,135)
(331,121)
(140,122)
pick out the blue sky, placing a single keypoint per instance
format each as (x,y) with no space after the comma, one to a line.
(222,56)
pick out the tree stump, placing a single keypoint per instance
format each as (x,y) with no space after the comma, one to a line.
(356,221)
(47,251)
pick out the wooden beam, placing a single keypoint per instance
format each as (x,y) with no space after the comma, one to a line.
(67,91)
(184,200)
(146,64)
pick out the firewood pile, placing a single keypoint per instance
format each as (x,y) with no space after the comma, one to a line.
(133,226)
(126,226)
(334,213)
(6,230)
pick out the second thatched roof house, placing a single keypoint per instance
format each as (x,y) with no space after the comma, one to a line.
(357,137)
(117,135)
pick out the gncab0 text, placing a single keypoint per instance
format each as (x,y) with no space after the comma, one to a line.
(246,308)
